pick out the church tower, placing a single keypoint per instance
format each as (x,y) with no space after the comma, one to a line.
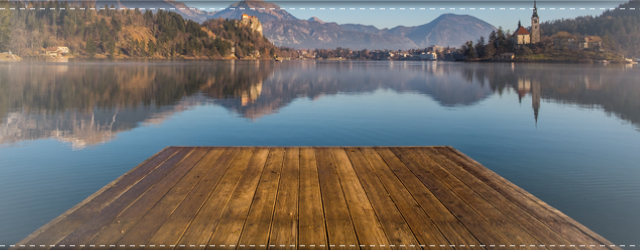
(535,25)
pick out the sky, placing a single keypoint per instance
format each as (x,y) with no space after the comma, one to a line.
(395,13)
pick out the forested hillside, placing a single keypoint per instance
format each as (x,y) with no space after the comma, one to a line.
(127,33)
(621,25)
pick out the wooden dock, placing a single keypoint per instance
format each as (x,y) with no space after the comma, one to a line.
(312,198)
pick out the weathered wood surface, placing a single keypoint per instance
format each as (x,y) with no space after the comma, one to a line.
(312,198)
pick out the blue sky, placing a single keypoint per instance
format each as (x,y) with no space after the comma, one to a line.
(505,13)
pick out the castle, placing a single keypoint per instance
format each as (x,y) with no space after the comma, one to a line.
(252,22)
(524,36)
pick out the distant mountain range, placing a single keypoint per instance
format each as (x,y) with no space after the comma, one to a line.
(283,29)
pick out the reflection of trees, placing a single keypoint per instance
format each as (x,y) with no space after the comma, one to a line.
(613,88)
(314,79)
(88,104)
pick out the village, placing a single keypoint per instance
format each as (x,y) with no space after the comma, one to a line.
(524,44)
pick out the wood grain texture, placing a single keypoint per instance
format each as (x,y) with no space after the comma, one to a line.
(312,198)
(311,229)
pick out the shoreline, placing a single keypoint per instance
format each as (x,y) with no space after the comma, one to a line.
(520,60)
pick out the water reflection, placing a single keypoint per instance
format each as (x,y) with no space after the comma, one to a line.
(86,103)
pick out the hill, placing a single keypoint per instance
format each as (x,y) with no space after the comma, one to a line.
(620,27)
(125,33)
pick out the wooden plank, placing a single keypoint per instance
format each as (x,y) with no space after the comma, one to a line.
(258,224)
(122,221)
(64,224)
(173,228)
(337,218)
(311,230)
(502,223)
(202,226)
(477,225)
(155,218)
(132,204)
(228,230)
(284,228)
(395,227)
(556,220)
(409,187)
(109,212)
(366,223)
(345,198)
(397,195)
(532,225)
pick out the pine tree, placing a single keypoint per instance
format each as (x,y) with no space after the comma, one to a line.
(90,47)
(111,47)
(480,46)
(152,47)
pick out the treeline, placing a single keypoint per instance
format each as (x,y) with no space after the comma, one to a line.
(500,42)
(622,25)
(122,33)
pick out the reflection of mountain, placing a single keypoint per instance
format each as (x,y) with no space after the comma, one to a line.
(314,79)
(90,103)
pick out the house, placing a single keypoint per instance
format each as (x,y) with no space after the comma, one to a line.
(55,51)
(429,56)
(506,56)
(591,42)
(563,39)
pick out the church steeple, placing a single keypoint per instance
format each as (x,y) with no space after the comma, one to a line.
(535,24)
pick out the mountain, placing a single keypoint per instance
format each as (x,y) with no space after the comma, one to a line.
(283,29)
(446,30)
(169,5)
(178,7)
(314,19)
(264,11)
(302,34)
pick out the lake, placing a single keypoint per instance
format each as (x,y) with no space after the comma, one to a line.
(568,134)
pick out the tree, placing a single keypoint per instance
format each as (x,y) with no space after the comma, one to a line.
(480,47)
(152,47)
(90,46)
(111,46)
(469,51)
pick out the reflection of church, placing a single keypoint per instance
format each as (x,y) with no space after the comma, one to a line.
(526,85)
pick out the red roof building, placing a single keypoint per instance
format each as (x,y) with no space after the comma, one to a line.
(521,36)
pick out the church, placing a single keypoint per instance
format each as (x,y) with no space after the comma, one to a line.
(524,36)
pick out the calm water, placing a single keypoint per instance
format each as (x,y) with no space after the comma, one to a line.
(569,134)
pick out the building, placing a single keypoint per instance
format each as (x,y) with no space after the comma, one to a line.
(506,56)
(55,51)
(535,25)
(245,16)
(251,22)
(521,36)
(591,42)
(429,56)
(564,40)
